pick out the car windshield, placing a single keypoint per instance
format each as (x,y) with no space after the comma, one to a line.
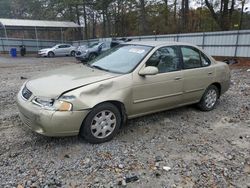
(83,47)
(122,59)
(93,45)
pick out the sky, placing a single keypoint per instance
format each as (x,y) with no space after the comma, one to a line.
(247,5)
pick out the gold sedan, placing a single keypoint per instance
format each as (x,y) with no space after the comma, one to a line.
(131,80)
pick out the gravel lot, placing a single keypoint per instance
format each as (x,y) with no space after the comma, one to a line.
(178,148)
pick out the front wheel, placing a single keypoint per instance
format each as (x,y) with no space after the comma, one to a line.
(209,98)
(101,124)
(92,56)
(51,54)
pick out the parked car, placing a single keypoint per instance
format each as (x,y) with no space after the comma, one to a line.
(82,48)
(116,42)
(128,81)
(58,50)
(90,53)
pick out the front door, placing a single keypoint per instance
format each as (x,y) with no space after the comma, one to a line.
(60,50)
(163,90)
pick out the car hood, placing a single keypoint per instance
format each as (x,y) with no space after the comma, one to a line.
(45,49)
(53,83)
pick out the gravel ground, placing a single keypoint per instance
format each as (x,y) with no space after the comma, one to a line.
(178,148)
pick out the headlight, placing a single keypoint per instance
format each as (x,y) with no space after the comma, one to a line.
(54,105)
(43,102)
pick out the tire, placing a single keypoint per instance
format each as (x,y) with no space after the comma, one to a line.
(73,53)
(51,54)
(101,124)
(209,98)
(92,56)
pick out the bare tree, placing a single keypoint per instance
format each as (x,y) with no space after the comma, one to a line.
(222,17)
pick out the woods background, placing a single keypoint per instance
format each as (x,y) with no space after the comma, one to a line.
(111,18)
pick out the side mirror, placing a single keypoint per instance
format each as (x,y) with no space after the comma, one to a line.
(150,70)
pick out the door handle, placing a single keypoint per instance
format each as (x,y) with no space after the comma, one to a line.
(210,73)
(178,78)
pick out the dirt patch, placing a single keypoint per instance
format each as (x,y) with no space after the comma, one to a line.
(241,61)
(177,148)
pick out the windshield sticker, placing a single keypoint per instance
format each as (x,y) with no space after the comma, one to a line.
(136,50)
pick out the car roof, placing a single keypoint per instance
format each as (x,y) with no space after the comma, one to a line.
(159,43)
(63,44)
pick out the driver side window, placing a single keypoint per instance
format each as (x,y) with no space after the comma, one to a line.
(61,46)
(166,59)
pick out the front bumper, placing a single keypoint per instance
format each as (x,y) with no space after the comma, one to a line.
(42,54)
(82,56)
(49,123)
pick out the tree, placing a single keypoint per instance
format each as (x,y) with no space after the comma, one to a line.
(5,9)
(222,17)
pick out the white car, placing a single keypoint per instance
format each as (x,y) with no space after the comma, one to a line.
(58,50)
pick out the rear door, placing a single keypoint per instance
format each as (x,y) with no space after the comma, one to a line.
(197,73)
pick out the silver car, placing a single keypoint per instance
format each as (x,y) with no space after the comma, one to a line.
(91,52)
(58,50)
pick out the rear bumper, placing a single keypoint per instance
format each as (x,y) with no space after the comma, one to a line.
(50,123)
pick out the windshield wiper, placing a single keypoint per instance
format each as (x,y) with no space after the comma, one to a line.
(98,67)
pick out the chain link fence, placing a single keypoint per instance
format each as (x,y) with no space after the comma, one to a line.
(225,43)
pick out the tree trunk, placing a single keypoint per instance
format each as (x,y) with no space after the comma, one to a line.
(225,16)
(108,24)
(93,25)
(186,16)
(103,23)
(214,15)
(85,20)
(166,17)
(175,12)
(79,30)
(143,17)
(241,14)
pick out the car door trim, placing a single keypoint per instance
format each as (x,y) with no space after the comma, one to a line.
(194,90)
(156,98)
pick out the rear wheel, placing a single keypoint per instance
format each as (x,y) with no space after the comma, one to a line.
(209,98)
(101,124)
(73,53)
(51,54)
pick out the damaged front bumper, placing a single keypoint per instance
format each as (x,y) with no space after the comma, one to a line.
(47,122)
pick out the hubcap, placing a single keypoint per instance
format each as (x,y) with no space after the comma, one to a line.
(92,56)
(103,124)
(211,98)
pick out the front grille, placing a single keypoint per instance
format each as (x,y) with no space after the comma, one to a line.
(25,120)
(26,93)
(78,53)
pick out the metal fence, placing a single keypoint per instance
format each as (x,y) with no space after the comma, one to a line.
(225,43)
